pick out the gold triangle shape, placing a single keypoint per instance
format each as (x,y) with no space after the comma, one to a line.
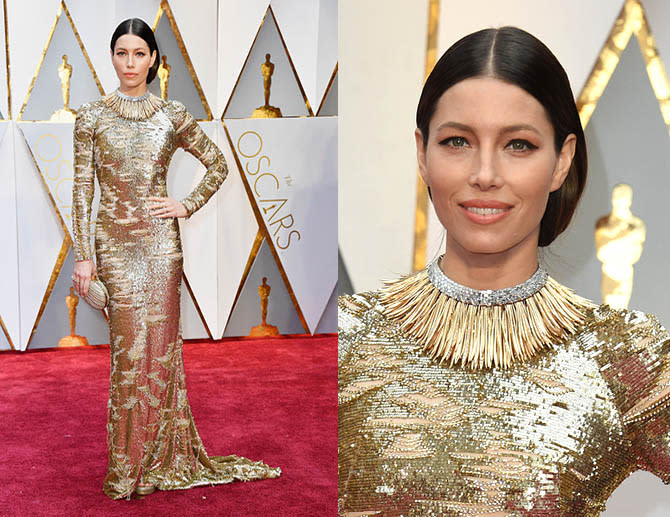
(61,9)
(6,332)
(631,20)
(197,306)
(269,12)
(164,9)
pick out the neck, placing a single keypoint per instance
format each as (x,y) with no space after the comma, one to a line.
(133,91)
(490,270)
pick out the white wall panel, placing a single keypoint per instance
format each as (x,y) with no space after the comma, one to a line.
(9,264)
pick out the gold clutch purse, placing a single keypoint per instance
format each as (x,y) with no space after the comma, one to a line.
(97,296)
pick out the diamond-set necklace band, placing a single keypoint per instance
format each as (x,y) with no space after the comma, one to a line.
(487,297)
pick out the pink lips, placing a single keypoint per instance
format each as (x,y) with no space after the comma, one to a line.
(485,211)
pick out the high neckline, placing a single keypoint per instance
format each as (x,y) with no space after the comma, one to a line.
(131,98)
(487,297)
(458,325)
(141,107)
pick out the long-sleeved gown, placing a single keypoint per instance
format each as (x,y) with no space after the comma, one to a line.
(128,143)
(551,435)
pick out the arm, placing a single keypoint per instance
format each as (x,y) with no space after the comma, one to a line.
(82,195)
(193,139)
(83,186)
(647,416)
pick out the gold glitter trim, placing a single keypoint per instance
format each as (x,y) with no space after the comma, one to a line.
(61,9)
(165,8)
(421,213)
(6,332)
(631,20)
(478,336)
(197,306)
(134,109)
(255,248)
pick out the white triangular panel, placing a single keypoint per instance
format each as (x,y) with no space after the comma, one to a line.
(51,146)
(589,23)
(285,88)
(309,30)
(191,323)
(328,322)
(199,31)
(236,231)
(40,237)
(238,25)
(217,238)
(26,46)
(95,23)
(9,266)
(291,167)
(45,96)
(198,232)
(182,85)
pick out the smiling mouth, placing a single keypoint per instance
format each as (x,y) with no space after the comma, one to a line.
(485,211)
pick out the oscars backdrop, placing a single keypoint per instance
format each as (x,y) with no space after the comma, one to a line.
(261,78)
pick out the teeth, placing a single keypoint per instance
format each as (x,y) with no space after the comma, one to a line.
(484,211)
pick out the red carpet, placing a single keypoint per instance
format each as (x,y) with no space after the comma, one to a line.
(274,400)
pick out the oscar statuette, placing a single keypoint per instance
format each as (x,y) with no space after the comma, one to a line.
(264,330)
(72,340)
(64,114)
(267,111)
(619,238)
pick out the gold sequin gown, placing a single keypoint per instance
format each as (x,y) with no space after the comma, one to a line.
(551,435)
(128,144)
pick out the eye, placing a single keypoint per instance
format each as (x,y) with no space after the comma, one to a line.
(520,145)
(120,53)
(455,141)
(140,53)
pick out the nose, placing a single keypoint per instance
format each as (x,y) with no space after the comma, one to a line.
(486,171)
(130,61)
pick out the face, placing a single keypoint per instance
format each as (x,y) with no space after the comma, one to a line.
(490,162)
(132,60)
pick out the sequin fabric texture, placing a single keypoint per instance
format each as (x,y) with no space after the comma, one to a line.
(151,435)
(552,435)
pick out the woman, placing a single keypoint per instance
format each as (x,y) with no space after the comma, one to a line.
(481,386)
(127,139)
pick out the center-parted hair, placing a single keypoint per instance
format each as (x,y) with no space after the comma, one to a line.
(517,57)
(139,28)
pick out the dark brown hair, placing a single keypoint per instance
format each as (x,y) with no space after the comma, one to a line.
(139,28)
(517,57)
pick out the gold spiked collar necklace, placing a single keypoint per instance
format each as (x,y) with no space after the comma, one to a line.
(133,108)
(458,325)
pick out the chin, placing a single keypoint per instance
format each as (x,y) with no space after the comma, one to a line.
(486,243)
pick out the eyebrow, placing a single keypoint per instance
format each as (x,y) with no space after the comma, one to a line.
(506,129)
(126,49)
